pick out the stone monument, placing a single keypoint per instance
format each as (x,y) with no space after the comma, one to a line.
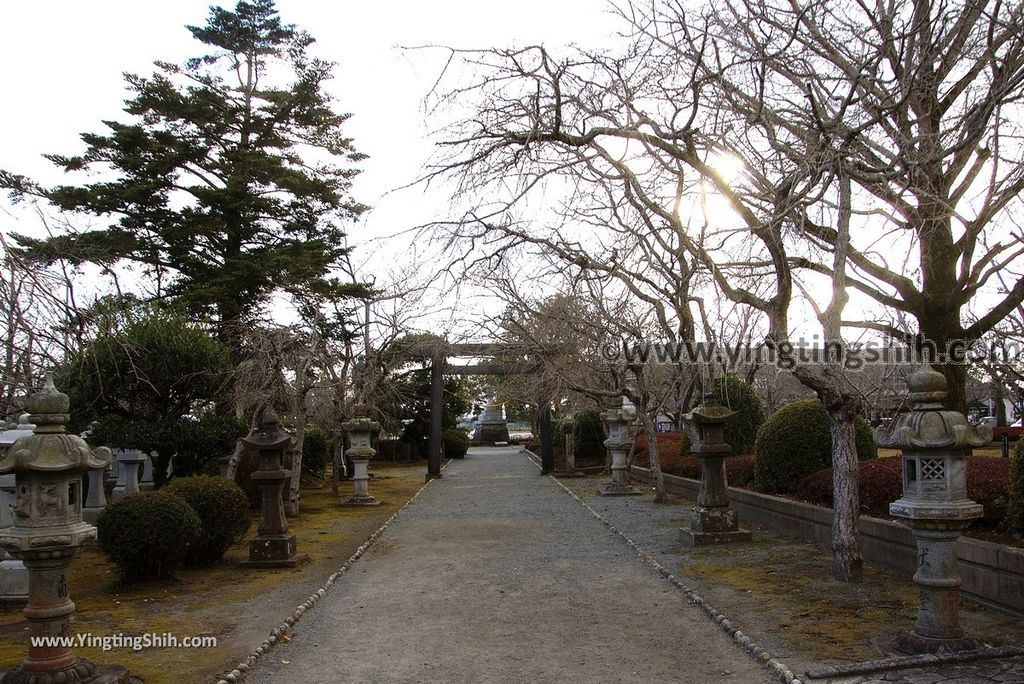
(491,427)
(360,430)
(935,507)
(713,520)
(128,461)
(13,573)
(47,533)
(618,419)
(273,546)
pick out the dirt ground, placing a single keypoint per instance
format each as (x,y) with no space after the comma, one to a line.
(239,606)
(780,590)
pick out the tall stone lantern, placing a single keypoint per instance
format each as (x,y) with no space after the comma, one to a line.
(360,429)
(713,520)
(618,419)
(274,546)
(935,507)
(47,533)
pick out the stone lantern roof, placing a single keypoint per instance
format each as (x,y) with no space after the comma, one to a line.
(709,412)
(928,426)
(269,435)
(50,448)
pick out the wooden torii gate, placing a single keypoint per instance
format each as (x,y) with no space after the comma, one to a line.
(440,367)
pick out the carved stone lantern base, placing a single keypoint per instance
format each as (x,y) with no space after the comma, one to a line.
(619,486)
(713,526)
(83,672)
(274,551)
(614,488)
(361,496)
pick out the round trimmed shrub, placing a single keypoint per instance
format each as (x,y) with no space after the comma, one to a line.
(588,436)
(317,446)
(223,511)
(148,535)
(456,443)
(741,430)
(796,441)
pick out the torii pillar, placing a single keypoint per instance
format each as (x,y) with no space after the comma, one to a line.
(436,408)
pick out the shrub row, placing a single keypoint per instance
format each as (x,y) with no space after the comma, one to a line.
(880,483)
(191,521)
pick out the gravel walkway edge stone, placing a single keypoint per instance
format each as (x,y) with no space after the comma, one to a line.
(238,674)
(755,651)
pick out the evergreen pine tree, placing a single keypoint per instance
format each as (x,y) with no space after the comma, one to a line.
(230,182)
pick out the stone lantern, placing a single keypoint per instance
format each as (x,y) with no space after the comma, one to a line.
(618,419)
(360,429)
(935,507)
(47,532)
(273,546)
(713,520)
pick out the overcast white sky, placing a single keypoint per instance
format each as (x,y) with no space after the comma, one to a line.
(62,64)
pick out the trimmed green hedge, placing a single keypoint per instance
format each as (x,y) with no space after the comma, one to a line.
(223,511)
(796,441)
(148,534)
(588,436)
(456,443)
(317,448)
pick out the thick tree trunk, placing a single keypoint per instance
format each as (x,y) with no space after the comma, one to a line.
(163,462)
(235,457)
(652,450)
(842,408)
(291,507)
(848,565)
(337,461)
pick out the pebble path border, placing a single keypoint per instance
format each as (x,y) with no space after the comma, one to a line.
(906,662)
(777,667)
(238,674)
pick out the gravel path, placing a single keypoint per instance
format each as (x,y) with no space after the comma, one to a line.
(495,575)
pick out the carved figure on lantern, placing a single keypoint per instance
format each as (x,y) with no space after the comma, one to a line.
(46,533)
(935,507)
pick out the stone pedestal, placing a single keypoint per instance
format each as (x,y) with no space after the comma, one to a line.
(129,461)
(360,478)
(491,427)
(47,532)
(146,480)
(274,546)
(713,520)
(96,499)
(618,419)
(360,431)
(935,507)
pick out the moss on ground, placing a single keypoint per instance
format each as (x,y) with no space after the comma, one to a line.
(224,600)
(781,592)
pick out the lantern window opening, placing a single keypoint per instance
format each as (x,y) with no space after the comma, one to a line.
(933,469)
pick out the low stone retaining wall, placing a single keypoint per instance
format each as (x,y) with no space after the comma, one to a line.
(992,573)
